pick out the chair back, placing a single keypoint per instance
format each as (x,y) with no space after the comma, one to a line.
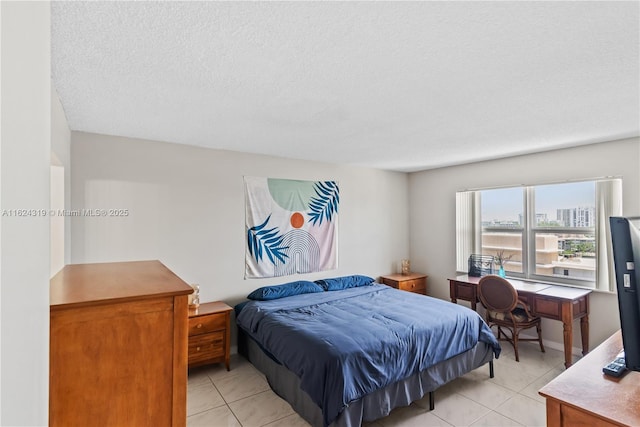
(497,294)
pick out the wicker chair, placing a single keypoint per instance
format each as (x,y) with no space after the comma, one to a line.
(505,310)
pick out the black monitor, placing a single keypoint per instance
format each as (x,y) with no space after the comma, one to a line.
(625,237)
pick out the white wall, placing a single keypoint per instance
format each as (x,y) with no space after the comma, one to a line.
(61,151)
(24,184)
(57,230)
(187,210)
(432,213)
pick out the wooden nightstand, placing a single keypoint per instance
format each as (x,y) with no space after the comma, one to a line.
(412,282)
(209,334)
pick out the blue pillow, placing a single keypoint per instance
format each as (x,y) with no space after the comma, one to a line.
(238,307)
(267,293)
(345,282)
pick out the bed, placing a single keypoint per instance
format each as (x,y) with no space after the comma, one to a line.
(347,350)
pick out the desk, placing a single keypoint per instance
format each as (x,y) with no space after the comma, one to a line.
(551,302)
(583,395)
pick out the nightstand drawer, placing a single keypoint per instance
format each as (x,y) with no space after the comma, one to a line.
(415,285)
(205,324)
(206,347)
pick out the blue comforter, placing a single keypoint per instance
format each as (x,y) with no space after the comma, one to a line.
(345,344)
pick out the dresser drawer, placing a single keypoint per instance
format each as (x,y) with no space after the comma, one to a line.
(415,285)
(205,324)
(206,347)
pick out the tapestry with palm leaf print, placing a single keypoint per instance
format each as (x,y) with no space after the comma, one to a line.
(291,226)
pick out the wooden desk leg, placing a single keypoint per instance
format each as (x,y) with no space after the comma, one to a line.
(452,292)
(584,332)
(567,329)
(474,298)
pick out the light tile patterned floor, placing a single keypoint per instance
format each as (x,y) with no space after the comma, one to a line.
(242,397)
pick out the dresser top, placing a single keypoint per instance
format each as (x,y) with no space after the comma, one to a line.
(90,284)
(584,386)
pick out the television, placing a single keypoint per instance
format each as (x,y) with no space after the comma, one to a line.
(625,239)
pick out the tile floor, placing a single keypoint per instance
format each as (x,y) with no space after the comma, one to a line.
(242,397)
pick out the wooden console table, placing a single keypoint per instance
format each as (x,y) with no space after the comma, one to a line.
(549,301)
(583,395)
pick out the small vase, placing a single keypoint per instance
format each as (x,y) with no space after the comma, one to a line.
(501,272)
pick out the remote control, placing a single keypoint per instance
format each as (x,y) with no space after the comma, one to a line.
(615,368)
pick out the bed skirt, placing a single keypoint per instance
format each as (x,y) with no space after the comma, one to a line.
(373,406)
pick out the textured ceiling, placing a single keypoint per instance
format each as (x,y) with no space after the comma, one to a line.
(393,85)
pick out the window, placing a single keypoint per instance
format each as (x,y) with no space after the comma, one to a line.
(553,233)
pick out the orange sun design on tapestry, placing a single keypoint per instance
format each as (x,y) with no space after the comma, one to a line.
(297,220)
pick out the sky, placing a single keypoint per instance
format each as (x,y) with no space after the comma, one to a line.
(506,203)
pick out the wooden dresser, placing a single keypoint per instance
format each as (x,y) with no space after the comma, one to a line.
(583,396)
(412,282)
(118,345)
(209,334)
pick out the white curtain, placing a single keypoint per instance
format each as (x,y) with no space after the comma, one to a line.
(467,227)
(608,203)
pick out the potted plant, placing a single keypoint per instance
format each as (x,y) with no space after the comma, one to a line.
(501,260)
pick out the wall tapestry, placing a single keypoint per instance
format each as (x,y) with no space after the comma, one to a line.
(291,226)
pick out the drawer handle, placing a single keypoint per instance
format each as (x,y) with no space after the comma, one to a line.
(199,325)
(197,348)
